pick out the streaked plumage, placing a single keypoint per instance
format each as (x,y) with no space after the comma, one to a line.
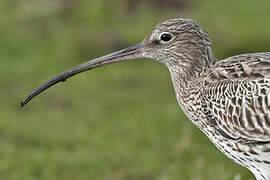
(228,100)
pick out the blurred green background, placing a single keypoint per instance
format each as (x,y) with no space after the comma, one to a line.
(119,122)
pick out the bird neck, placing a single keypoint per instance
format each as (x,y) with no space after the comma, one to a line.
(188,82)
(190,69)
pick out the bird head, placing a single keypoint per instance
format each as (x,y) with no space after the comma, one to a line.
(176,42)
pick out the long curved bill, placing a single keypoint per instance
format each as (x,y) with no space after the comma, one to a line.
(132,52)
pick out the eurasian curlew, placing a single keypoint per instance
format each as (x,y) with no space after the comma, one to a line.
(228,100)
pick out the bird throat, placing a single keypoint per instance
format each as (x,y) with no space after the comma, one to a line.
(188,82)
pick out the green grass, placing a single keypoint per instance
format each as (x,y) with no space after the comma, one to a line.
(117,122)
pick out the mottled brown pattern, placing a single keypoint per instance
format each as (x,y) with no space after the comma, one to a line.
(245,92)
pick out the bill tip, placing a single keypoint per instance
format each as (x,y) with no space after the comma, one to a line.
(22,104)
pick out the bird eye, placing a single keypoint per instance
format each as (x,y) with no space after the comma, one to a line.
(166,37)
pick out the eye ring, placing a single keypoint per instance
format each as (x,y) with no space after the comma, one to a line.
(166,37)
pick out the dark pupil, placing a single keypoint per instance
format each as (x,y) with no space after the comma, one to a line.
(166,37)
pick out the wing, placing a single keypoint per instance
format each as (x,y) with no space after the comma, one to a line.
(237,97)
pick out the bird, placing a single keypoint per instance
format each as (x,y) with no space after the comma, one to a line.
(228,100)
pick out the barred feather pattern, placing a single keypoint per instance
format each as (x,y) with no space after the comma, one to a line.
(230,103)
